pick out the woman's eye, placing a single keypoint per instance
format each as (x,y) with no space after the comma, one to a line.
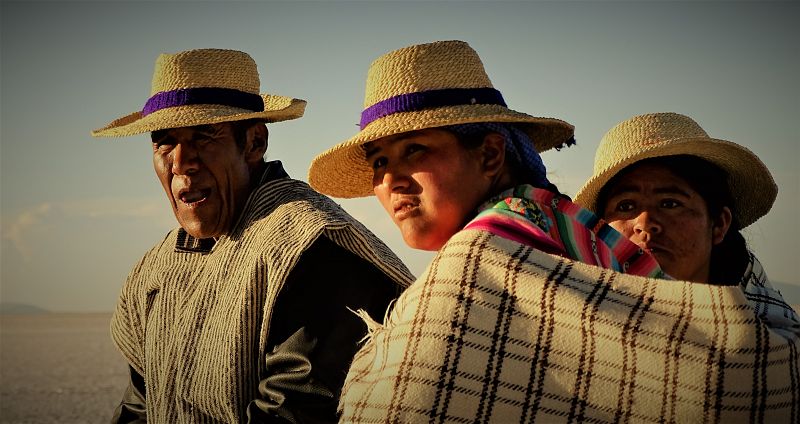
(624,206)
(670,203)
(413,148)
(202,140)
(379,163)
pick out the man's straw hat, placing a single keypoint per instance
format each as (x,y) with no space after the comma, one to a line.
(418,87)
(205,86)
(668,134)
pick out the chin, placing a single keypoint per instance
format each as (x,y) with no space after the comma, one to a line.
(197,231)
(424,244)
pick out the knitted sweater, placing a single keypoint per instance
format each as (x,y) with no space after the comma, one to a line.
(196,325)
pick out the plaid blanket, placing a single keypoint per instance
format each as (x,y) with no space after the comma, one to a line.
(767,302)
(495,331)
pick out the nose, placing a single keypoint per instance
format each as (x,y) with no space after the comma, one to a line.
(185,159)
(646,225)
(395,180)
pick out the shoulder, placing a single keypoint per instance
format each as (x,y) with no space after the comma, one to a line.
(296,201)
(160,253)
(287,209)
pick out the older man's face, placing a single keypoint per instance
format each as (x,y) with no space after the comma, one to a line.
(205,174)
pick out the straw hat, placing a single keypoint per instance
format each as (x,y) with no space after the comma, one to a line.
(418,87)
(205,86)
(667,134)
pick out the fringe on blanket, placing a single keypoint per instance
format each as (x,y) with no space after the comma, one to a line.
(372,325)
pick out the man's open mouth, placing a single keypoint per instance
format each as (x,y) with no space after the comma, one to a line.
(194,197)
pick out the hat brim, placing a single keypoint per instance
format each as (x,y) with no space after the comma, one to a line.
(342,171)
(750,182)
(276,109)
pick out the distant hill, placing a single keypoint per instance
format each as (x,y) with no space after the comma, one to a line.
(20,309)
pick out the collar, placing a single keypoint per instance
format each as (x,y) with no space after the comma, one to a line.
(186,243)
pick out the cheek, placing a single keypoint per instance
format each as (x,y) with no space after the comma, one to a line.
(231,177)
(162,168)
(451,213)
(696,233)
(622,226)
(381,194)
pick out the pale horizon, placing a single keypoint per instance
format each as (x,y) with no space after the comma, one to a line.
(77,213)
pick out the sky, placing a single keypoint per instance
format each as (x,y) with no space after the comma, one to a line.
(77,212)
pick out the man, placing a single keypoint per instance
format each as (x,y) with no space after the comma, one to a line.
(241,313)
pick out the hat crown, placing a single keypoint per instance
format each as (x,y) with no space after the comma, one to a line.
(424,67)
(205,68)
(644,132)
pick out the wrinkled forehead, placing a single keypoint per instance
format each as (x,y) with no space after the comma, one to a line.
(209,130)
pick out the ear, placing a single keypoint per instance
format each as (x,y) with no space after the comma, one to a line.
(493,154)
(720,225)
(256,145)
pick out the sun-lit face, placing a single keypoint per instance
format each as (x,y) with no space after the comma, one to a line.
(660,212)
(428,183)
(205,175)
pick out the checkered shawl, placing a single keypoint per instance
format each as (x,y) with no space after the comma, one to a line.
(495,331)
(767,302)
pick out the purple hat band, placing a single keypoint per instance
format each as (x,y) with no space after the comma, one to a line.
(203,95)
(429,99)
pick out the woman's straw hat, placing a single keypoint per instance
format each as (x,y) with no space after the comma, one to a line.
(418,87)
(204,86)
(668,134)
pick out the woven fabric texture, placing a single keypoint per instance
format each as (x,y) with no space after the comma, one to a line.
(204,71)
(196,325)
(495,331)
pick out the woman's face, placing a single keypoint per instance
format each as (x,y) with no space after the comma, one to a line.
(660,212)
(428,183)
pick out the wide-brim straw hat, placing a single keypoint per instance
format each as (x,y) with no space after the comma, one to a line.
(669,134)
(203,86)
(418,87)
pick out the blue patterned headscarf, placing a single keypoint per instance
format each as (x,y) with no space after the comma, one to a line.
(518,146)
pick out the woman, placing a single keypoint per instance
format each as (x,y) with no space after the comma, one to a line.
(531,310)
(434,168)
(661,181)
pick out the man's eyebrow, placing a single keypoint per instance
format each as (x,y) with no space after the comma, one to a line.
(158,135)
(206,129)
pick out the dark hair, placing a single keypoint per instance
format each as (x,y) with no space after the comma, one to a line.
(728,258)
(240,130)
(518,172)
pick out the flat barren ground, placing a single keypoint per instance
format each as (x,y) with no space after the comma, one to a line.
(59,368)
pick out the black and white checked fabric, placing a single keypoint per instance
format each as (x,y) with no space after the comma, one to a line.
(496,332)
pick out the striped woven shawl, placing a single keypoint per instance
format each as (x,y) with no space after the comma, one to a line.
(495,331)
